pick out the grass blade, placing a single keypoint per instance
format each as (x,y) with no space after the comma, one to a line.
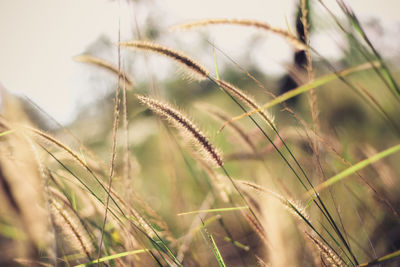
(304,88)
(214,248)
(362,164)
(115,256)
(213,210)
(382,259)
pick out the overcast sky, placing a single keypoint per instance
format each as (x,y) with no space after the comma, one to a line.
(40,37)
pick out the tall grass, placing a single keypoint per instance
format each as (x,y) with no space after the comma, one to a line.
(311,184)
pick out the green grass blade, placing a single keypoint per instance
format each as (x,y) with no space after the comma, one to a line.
(387,257)
(205,223)
(237,243)
(362,164)
(215,64)
(220,260)
(6,132)
(115,256)
(385,74)
(214,248)
(304,88)
(213,210)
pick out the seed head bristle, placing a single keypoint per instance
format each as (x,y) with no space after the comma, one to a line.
(184,124)
(258,228)
(244,22)
(72,228)
(104,64)
(60,145)
(326,252)
(195,69)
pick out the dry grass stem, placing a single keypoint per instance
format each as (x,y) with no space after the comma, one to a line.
(196,70)
(247,100)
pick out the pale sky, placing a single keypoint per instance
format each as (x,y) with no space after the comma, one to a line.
(40,37)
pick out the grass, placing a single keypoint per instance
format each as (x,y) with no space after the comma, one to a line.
(247,179)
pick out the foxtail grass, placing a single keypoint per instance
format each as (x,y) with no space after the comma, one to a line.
(195,70)
(244,22)
(189,129)
(331,257)
(71,227)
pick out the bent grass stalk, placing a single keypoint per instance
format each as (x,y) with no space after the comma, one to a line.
(244,22)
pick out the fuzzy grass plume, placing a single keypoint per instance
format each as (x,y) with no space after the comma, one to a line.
(195,69)
(186,126)
(72,228)
(331,258)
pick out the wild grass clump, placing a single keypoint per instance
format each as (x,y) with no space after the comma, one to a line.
(310,182)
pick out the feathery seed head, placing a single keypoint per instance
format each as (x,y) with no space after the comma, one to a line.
(186,126)
(196,70)
(71,227)
(326,252)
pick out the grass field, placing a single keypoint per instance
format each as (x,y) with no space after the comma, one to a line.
(213,166)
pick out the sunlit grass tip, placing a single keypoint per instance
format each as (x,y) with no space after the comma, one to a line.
(189,129)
